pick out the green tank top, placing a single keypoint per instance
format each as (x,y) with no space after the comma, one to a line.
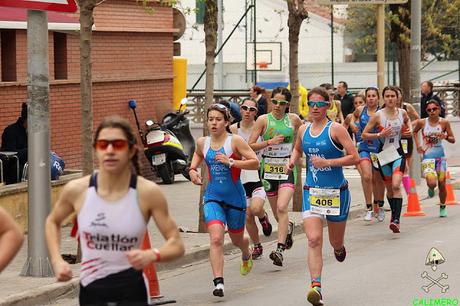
(280,127)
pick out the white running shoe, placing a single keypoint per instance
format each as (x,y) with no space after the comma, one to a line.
(218,290)
(368,216)
(381,214)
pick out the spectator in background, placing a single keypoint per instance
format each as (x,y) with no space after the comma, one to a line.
(427,94)
(345,98)
(257,93)
(14,139)
(234,110)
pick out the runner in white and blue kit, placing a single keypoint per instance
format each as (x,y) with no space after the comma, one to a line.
(328,147)
(224,199)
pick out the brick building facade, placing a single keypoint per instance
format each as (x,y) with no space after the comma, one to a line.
(132,54)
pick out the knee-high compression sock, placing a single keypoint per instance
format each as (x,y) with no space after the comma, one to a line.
(392,206)
(398,207)
(406,183)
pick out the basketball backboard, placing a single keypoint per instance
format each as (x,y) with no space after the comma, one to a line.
(268,56)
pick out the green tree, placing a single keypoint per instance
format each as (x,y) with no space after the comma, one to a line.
(440,32)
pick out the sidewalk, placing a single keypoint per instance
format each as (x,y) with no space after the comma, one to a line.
(183,202)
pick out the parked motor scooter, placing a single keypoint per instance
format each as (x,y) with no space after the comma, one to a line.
(168,145)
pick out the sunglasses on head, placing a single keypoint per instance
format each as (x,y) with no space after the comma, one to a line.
(248,108)
(280,102)
(431,110)
(318,103)
(117,144)
(218,106)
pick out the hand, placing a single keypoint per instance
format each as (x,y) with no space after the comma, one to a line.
(406,133)
(442,135)
(62,271)
(139,259)
(420,150)
(222,158)
(354,128)
(195,177)
(277,139)
(319,162)
(386,132)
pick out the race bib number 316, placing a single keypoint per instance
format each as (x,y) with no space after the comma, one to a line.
(275,169)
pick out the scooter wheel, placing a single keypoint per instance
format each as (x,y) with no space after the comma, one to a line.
(166,173)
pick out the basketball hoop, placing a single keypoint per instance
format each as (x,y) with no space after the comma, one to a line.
(262,65)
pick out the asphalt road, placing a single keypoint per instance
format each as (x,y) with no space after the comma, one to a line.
(381,268)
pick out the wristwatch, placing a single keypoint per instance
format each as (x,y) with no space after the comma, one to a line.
(231,161)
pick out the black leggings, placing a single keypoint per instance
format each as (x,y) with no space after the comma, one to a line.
(120,289)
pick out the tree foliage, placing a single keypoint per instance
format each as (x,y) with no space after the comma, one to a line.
(440,28)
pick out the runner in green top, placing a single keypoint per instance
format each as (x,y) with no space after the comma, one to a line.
(277,129)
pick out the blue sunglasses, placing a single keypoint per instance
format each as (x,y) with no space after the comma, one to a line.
(318,103)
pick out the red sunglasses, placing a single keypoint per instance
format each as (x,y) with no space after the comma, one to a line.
(117,144)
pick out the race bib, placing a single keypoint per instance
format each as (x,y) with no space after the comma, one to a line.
(275,169)
(374,160)
(278,150)
(325,201)
(428,166)
(405,145)
(249,176)
(388,155)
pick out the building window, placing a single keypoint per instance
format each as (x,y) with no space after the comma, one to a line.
(60,56)
(200,6)
(8,57)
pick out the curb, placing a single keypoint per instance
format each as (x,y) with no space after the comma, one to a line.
(48,294)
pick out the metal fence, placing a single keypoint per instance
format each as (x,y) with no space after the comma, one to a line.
(449,94)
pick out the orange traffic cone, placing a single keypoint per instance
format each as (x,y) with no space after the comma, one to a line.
(150,271)
(450,199)
(413,204)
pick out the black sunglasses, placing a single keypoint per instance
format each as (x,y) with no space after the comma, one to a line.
(431,110)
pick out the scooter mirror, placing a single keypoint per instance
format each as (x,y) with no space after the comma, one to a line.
(149,123)
(132,104)
(183,101)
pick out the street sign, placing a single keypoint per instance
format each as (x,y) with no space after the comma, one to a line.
(45,5)
(331,2)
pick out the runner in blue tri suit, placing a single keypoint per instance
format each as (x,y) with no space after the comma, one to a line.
(371,180)
(326,194)
(224,199)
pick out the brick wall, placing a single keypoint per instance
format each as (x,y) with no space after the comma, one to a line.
(126,65)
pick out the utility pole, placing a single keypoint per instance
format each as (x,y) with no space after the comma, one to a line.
(39,185)
(415,55)
(332,45)
(220,28)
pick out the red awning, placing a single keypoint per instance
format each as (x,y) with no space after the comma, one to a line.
(16,18)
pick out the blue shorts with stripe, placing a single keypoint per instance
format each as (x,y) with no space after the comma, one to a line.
(216,212)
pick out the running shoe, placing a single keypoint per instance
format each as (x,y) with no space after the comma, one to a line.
(395,227)
(277,258)
(368,216)
(246,266)
(381,214)
(442,211)
(257,251)
(314,297)
(430,192)
(289,240)
(266,225)
(218,290)
(340,254)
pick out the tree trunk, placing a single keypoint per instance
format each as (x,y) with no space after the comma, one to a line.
(297,14)
(404,69)
(210,30)
(86,87)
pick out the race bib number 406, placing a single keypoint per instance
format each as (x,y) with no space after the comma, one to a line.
(325,201)
(275,168)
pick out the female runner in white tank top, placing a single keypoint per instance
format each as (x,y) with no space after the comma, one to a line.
(113,208)
(255,193)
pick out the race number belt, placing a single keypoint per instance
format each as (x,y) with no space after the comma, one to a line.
(429,166)
(325,201)
(275,168)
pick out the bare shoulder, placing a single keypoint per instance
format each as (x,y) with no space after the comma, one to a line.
(149,193)
(337,127)
(77,186)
